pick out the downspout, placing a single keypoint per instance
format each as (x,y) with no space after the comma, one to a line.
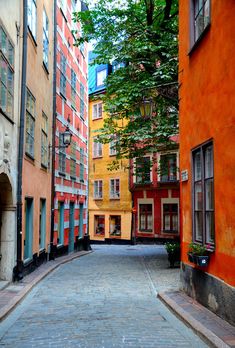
(52,251)
(19,268)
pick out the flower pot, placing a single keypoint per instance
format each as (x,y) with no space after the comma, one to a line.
(173,257)
(202,261)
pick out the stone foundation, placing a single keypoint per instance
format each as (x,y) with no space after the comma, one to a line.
(210,291)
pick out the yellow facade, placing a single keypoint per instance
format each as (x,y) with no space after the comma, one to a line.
(109,216)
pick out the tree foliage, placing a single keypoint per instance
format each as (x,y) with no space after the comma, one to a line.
(142,35)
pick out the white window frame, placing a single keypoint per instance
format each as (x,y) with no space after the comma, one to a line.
(97,111)
(169,201)
(45,39)
(145,201)
(32,17)
(44,140)
(101,75)
(6,79)
(98,191)
(30,124)
(97,149)
(112,146)
(113,192)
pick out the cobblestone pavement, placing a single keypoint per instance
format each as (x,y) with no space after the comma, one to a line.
(106,299)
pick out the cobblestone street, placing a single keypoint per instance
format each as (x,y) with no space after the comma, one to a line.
(105,299)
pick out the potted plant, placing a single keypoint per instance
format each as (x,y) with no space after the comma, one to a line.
(198,254)
(173,250)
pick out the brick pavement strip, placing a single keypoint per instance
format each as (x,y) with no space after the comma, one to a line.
(214,330)
(105,300)
(9,299)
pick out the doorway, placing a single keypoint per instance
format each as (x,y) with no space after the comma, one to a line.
(71,227)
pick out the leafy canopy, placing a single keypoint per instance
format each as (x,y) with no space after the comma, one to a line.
(142,35)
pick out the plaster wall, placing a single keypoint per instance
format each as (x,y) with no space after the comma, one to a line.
(207,104)
(10,20)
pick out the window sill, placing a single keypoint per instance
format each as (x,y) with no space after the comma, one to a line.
(97,157)
(44,167)
(6,116)
(114,198)
(97,119)
(45,68)
(73,107)
(197,43)
(62,174)
(97,199)
(33,39)
(63,14)
(63,96)
(29,157)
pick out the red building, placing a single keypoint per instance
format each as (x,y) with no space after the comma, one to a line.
(155,196)
(70,182)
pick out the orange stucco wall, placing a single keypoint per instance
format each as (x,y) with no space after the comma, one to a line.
(37,180)
(207,111)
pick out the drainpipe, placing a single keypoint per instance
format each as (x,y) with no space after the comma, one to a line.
(19,267)
(52,248)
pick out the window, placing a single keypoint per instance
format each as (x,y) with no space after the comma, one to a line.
(97,149)
(98,189)
(81,164)
(113,146)
(73,159)
(32,17)
(44,141)
(200,17)
(97,111)
(115,225)
(203,194)
(6,74)
(45,39)
(101,76)
(145,218)
(62,154)
(42,224)
(82,98)
(114,188)
(73,87)
(143,170)
(29,229)
(170,218)
(60,235)
(62,74)
(99,224)
(168,168)
(30,124)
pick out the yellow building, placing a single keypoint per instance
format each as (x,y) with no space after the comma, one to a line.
(110,202)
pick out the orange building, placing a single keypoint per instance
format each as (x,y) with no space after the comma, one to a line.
(34,168)
(207,150)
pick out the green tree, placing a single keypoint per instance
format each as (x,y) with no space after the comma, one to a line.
(142,35)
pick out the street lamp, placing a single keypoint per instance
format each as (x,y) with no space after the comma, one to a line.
(146,107)
(67,137)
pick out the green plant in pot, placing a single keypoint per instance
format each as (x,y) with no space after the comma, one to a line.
(173,250)
(198,254)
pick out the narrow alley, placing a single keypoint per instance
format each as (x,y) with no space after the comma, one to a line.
(102,300)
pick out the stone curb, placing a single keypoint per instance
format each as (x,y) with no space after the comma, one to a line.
(4,311)
(206,334)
